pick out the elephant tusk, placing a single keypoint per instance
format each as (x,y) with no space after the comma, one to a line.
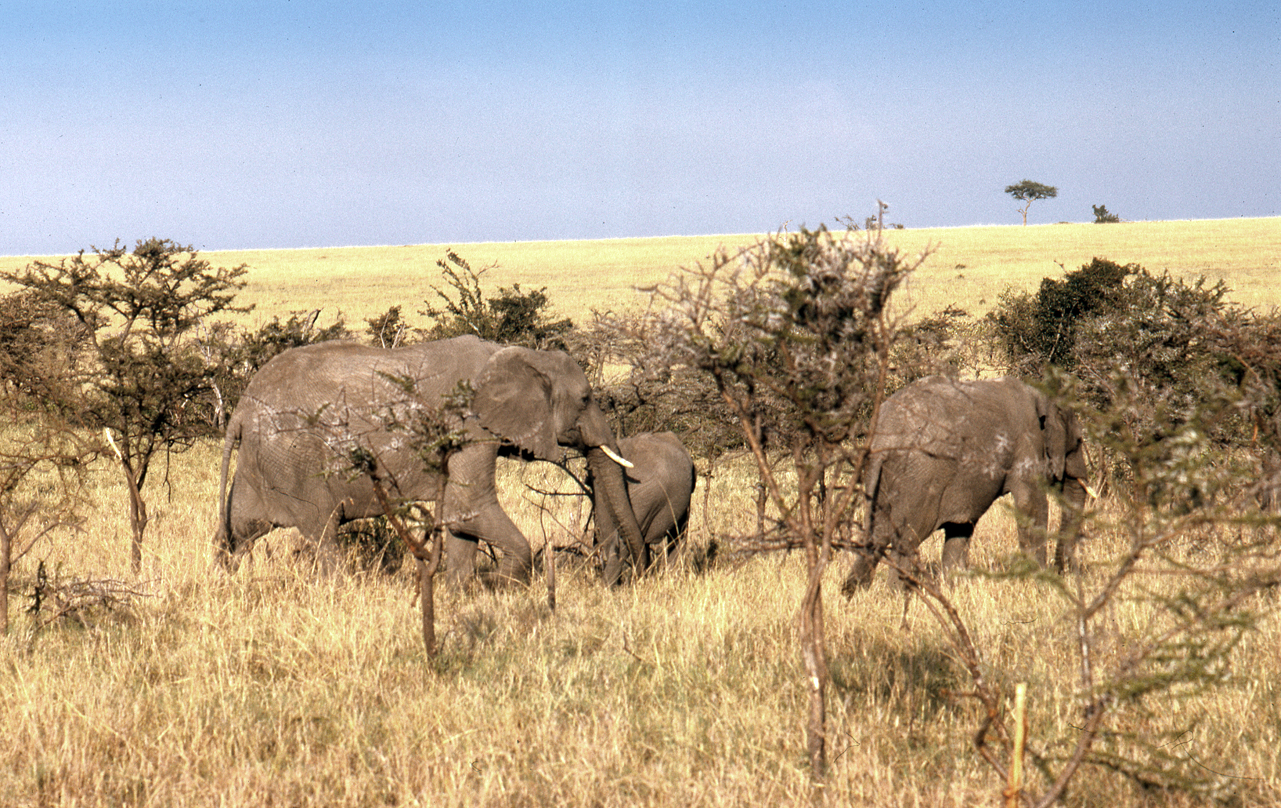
(622,461)
(1093,494)
(106,431)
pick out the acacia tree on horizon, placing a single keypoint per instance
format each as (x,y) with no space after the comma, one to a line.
(1028,192)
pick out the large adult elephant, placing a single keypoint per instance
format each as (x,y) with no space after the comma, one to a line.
(944,450)
(306,409)
(660,487)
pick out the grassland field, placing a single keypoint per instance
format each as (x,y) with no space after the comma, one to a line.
(968,266)
(271,687)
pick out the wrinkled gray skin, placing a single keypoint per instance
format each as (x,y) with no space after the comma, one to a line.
(305,408)
(944,450)
(660,488)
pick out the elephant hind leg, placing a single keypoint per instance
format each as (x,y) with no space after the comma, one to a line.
(460,557)
(906,563)
(322,538)
(881,536)
(245,524)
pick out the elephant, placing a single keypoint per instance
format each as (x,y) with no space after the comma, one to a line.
(307,408)
(660,488)
(944,450)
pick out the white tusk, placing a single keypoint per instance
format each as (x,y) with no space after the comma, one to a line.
(1093,494)
(622,461)
(106,431)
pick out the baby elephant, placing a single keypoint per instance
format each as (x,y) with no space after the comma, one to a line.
(660,486)
(944,450)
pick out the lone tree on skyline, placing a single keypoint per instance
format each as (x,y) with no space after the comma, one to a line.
(1028,192)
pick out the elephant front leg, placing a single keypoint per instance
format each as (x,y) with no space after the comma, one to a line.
(471,513)
(1070,521)
(495,527)
(956,548)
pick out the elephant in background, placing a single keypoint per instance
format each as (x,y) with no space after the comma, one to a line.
(308,406)
(660,487)
(944,450)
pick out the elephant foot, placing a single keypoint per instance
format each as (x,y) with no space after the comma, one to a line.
(227,560)
(1065,559)
(860,574)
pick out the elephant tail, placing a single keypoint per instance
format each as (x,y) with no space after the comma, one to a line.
(223,539)
(871,487)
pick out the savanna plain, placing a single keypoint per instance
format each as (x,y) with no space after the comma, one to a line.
(273,686)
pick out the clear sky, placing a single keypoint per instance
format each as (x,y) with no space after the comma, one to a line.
(292,123)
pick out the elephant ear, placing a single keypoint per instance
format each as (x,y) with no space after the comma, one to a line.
(1054,435)
(514,401)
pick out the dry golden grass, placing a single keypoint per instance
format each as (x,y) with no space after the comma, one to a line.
(972,265)
(271,688)
(969,266)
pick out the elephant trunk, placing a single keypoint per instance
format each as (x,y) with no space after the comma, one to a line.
(611,489)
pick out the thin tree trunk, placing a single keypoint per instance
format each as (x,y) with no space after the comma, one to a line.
(427,575)
(427,591)
(428,560)
(137,520)
(1014,791)
(815,657)
(549,567)
(137,506)
(6,549)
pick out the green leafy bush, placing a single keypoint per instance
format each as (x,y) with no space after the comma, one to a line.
(1177,352)
(511,316)
(1038,330)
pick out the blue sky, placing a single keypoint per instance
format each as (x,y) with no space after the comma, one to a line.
(288,123)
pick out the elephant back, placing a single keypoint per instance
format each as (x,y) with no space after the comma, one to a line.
(309,405)
(310,377)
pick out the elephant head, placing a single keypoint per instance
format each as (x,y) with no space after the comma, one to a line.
(538,401)
(1065,470)
(659,488)
(1062,439)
